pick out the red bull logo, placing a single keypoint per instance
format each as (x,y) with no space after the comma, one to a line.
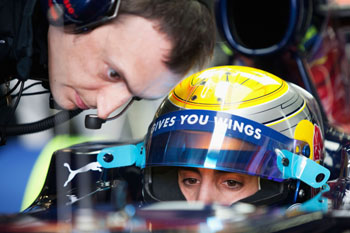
(318,144)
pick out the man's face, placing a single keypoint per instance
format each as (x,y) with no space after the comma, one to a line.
(212,186)
(106,67)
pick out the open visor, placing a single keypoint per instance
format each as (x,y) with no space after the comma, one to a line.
(217,140)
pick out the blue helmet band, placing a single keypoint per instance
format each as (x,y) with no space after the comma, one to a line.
(222,141)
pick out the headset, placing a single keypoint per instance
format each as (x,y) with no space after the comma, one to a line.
(92,121)
(80,16)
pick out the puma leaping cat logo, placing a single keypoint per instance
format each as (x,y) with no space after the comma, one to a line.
(94,166)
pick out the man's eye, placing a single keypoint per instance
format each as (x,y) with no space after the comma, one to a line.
(113,74)
(233,184)
(190,181)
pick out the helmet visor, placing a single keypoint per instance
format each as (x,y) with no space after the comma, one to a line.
(216,140)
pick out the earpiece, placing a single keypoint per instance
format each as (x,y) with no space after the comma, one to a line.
(79,12)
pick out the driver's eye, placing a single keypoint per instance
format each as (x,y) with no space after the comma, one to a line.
(233,184)
(190,181)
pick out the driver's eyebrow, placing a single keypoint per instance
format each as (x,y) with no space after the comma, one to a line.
(196,170)
(191,169)
(223,172)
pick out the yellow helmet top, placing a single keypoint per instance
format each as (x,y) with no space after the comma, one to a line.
(227,88)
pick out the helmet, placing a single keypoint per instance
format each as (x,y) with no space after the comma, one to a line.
(242,120)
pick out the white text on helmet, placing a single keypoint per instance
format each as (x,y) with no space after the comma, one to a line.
(203,120)
(238,126)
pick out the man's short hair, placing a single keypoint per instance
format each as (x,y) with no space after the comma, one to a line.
(189,25)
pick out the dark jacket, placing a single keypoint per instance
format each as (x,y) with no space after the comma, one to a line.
(23,40)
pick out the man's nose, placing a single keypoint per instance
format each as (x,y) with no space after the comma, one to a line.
(109,102)
(207,194)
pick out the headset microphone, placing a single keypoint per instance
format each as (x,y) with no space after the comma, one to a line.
(92,121)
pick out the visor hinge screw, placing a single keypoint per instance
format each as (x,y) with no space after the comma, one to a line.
(141,150)
(285,162)
(108,158)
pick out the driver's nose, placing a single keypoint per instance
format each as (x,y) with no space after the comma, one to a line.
(206,193)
